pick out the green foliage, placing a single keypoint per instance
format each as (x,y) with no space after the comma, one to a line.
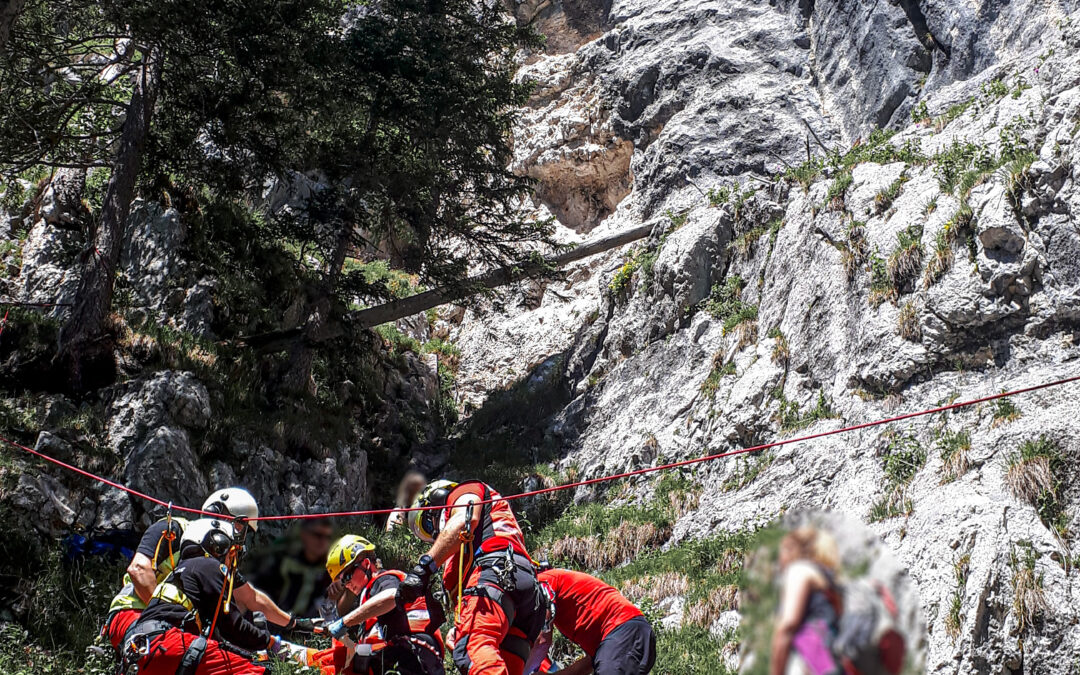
(994,90)
(920,113)
(884,199)
(791,417)
(954,111)
(834,197)
(1036,472)
(747,469)
(905,260)
(398,342)
(1020,85)
(953,619)
(730,193)
(881,282)
(56,602)
(743,244)
(382,280)
(1029,600)
(691,649)
(1005,411)
(941,259)
(878,148)
(901,460)
(954,447)
(958,160)
(806,173)
(720,369)
(724,303)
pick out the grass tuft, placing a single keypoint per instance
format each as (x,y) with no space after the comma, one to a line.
(907,323)
(1005,411)
(954,447)
(1029,600)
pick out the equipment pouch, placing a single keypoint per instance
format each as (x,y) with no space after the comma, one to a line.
(193,656)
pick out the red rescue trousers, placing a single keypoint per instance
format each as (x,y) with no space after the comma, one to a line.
(167,649)
(117,625)
(489,642)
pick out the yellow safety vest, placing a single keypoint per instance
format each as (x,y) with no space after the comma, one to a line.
(127,598)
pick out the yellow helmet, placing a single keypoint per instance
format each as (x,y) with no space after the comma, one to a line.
(425,524)
(345,552)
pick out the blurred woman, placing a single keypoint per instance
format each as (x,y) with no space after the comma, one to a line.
(410,486)
(810,606)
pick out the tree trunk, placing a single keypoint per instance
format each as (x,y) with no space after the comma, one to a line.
(9,11)
(297,378)
(414,304)
(85,345)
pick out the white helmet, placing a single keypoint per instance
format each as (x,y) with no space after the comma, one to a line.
(211,535)
(235,502)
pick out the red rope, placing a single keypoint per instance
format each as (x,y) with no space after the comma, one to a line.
(590,481)
(34,304)
(3,323)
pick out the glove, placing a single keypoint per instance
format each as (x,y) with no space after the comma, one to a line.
(417,581)
(302,625)
(337,629)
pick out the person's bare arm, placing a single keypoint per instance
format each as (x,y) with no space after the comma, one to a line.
(143,578)
(582,666)
(797,586)
(449,539)
(377,605)
(257,601)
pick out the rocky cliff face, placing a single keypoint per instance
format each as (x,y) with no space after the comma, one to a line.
(889,274)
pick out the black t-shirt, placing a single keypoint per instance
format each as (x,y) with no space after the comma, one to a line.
(149,544)
(396,620)
(201,579)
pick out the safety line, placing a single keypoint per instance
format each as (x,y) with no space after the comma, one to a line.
(567,486)
(4,303)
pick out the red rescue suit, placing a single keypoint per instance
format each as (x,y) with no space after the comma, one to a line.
(501,613)
(405,639)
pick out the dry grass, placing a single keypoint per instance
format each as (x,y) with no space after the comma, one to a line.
(620,545)
(1030,478)
(682,503)
(853,256)
(656,588)
(955,447)
(705,612)
(1029,600)
(904,264)
(940,262)
(746,334)
(907,323)
(781,351)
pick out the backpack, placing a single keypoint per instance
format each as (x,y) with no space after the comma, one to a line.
(868,637)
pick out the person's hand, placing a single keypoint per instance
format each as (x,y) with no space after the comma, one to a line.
(337,629)
(335,589)
(303,625)
(416,582)
(278,648)
(451,637)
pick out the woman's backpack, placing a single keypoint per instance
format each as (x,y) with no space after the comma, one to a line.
(868,638)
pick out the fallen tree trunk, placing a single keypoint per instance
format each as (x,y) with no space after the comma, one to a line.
(414,304)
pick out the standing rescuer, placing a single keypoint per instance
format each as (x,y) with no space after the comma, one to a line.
(404,635)
(187,622)
(486,571)
(613,633)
